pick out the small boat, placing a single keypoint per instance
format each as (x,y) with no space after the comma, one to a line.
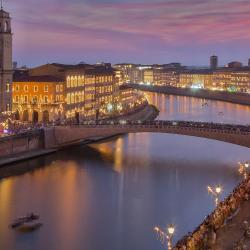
(26,223)
(204,104)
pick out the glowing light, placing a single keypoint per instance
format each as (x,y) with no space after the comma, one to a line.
(218,189)
(171,229)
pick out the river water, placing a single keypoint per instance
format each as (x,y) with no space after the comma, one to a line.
(111,195)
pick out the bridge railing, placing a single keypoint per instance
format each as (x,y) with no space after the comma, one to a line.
(170,124)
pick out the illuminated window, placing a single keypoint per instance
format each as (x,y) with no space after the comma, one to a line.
(17,99)
(35,89)
(45,99)
(25,99)
(68,82)
(7,87)
(26,88)
(72,99)
(57,88)
(46,88)
(61,88)
(34,100)
(17,88)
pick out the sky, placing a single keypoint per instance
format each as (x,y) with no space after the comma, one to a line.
(136,31)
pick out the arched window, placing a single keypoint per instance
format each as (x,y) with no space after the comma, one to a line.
(6,26)
(72,98)
(75,85)
(72,82)
(68,82)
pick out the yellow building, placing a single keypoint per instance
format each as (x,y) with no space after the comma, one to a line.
(196,78)
(235,80)
(89,90)
(38,98)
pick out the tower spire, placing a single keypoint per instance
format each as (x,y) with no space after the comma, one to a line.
(1,4)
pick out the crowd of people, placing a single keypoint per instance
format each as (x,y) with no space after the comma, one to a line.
(204,236)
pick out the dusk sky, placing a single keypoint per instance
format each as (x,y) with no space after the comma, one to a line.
(139,31)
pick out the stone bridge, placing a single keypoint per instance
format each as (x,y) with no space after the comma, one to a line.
(60,136)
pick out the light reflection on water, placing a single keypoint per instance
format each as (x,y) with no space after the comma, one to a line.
(111,195)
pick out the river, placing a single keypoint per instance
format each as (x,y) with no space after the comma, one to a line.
(110,196)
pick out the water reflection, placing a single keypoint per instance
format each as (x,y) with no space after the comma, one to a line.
(111,195)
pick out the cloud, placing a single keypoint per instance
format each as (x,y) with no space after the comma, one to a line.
(127,26)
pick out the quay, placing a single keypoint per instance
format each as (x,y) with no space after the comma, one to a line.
(237,98)
(221,230)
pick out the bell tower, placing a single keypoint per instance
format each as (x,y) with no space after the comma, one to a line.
(6,72)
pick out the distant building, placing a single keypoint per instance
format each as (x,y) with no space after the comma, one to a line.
(235,64)
(5,62)
(213,62)
(196,79)
(232,79)
(249,62)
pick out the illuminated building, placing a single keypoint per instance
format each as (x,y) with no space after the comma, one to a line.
(5,62)
(126,70)
(192,78)
(38,98)
(232,79)
(166,76)
(213,62)
(148,76)
(89,89)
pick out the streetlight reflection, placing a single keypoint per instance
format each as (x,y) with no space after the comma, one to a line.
(215,192)
(165,237)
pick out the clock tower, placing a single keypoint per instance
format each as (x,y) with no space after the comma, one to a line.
(6,72)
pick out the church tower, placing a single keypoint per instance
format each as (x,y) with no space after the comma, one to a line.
(6,72)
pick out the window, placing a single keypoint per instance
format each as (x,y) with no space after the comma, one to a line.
(35,89)
(57,98)
(7,87)
(68,82)
(34,100)
(25,99)
(17,88)
(26,88)
(45,99)
(17,99)
(61,88)
(46,88)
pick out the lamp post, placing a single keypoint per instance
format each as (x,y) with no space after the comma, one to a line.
(215,192)
(166,237)
(243,170)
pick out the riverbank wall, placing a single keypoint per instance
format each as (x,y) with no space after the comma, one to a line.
(237,98)
(204,236)
(40,142)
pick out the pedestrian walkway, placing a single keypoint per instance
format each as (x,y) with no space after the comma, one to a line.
(233,233)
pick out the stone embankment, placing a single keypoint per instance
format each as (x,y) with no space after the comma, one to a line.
(238,98)
(204,236)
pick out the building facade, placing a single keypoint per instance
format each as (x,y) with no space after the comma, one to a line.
(89,90)
(196,79)
(5,62)
(233,80)
(38,98)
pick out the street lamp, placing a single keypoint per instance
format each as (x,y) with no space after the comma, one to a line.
(215,192)
(166,237)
